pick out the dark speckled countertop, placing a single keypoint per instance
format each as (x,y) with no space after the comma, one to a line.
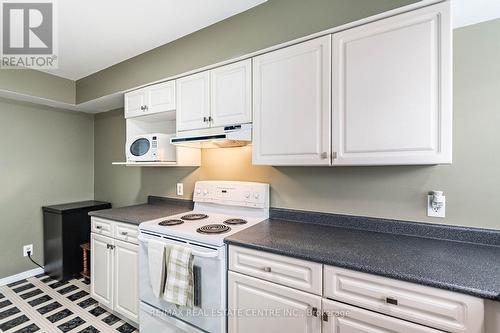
(155,208)
(466,267)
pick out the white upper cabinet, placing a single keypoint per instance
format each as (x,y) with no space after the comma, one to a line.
(134,103)
(392,90)
(291,104)
(149,100)
(193,101)
(161,97)
(215,98)
(231,94)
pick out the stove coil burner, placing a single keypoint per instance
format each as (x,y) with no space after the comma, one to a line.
(193,217)
(213,229)
(235,221)
(167,223)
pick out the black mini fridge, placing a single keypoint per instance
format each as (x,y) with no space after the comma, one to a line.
(65,228)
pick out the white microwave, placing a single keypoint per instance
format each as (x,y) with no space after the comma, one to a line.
(155,147)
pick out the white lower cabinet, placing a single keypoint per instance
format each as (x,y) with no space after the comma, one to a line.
(101,269)
(114,272)
(441,309)
(260,306)
(346,302)
(343,318)
(125,284)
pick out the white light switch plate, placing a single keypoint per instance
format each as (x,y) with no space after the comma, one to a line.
(431,212)
(180,189)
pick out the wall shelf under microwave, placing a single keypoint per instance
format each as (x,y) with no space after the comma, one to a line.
(147,164)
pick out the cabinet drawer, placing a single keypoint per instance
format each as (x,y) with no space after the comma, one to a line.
(428,306)
(291,272)
(342,318)
(268,307)
(102,226)
(126,232)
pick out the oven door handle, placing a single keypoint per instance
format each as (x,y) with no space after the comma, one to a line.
(195,253)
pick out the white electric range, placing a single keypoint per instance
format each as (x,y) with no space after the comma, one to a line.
(221,208)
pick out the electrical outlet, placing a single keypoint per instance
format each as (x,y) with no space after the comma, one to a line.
(180,189)
(436,211)
(26,249)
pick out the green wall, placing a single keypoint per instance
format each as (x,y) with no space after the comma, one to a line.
(47,158)
(271,23)
(471,183)
(38,84)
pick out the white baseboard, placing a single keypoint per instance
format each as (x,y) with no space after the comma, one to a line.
(20,276)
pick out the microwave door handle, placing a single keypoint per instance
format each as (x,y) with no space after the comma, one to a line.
(214,254)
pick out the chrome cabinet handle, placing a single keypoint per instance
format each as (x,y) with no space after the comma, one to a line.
(324,155)
(324,316)
(124,233)
(205,119)
(98,227)
(314,311)
(267,269)
(110,247)
(210,119)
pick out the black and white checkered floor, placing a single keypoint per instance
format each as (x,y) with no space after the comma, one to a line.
(40,304)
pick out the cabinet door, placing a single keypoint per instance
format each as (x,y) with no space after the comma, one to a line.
(161,97)
(292,105)
(135,102)
(392,90)
(193,101)
(260,306)
(126,284)
(101,269)
(231,90)
(343,318)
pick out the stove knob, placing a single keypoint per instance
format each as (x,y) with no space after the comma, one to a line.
(247,195)
(256,195)
(205,192)
(198,191)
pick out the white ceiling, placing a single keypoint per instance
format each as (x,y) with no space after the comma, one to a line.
(467,12)
(96,34)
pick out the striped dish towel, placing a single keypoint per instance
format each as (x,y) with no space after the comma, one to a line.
(179,287)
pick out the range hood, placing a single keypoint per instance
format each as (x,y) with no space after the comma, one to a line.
(220,137)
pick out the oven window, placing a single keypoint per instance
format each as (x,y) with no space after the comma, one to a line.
(139,147)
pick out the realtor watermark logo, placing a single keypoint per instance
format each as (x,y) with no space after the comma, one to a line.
(28,35)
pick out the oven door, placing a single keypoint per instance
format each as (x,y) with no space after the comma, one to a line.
(155,321)
(209,271)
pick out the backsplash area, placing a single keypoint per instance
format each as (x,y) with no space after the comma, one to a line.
(398,192)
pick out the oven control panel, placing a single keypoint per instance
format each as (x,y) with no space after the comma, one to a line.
(244,194)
